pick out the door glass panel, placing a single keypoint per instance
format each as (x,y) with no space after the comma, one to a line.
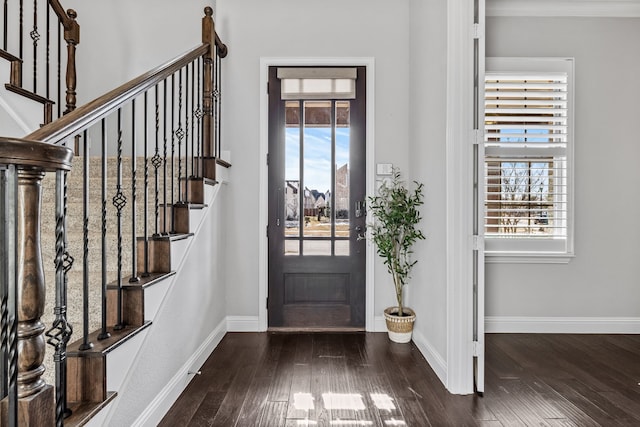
(316,247)
(292,247)
(342,199)
(317,149)
(342,248)
(292,171)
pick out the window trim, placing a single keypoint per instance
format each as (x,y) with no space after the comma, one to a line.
(536,250)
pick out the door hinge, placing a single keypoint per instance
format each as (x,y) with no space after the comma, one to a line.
(477,243)
(477,31)
(267,304)
(267,231)
(268,87)
(267,159)
(476,136)
(476,349)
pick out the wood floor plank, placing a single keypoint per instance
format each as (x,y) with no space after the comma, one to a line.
(278,379)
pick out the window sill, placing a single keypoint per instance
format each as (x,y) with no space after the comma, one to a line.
(528,257)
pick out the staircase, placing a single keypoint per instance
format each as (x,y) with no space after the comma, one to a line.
(93,395)
(127,247)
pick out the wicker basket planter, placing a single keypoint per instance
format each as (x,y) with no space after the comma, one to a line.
(399,328)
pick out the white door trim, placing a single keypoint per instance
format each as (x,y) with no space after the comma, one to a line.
(263,269)
(459,203)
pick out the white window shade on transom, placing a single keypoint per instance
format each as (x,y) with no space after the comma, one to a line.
(317,83)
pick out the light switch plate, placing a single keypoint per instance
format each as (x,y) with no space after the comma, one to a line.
(384,169)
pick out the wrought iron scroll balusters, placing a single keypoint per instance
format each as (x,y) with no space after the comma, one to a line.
(172,228)
(104,334)
(156,162)
(119,202)
(35,36)
(61,331)
(179,135)
(86,345)
(198,113)
(9,193)
(134,141)
(164,162)
(146,186)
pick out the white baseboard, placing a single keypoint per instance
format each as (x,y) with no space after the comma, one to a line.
(158,408)
(434,359)
(379,324)
(562,325)
(243,324)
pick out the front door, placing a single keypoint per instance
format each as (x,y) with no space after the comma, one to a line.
(316,200)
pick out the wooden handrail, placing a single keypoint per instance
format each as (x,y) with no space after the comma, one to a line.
(34,154)
(75,121)
(67,21)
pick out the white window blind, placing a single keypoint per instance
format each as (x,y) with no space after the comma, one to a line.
(527,155)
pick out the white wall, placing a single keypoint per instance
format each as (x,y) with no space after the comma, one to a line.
(303,28)
(122,39)
(428,79)
(602,281)
(189,324)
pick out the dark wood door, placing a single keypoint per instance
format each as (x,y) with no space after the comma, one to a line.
(316,211)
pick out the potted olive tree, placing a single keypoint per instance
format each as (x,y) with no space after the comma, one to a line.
(394,230)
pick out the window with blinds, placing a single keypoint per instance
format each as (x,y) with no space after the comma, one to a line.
(527,150)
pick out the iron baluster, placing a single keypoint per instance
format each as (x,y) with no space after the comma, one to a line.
(35,36)
(173,148)
(86,345)
(21,43)
(193,118)
(146,186)
(179,134)
(198,113)
(164,162)
(61,331)
(6,24)
(10,304)
(156,162)
(186,138)
(134,141)
(48,48)
(104,334)
(4,271)
(119,201)
(217,97)
(59,70)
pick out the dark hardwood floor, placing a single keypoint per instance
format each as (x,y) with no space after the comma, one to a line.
(362,379)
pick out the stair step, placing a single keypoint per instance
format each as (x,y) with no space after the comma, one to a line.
(87,369)
(47,103)
(133,299)
(15,77)
(83,412)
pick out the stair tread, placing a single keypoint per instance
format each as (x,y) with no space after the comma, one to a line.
(28,94)
(9,57)
(101,347)
(144,282)
(83,412)
(172,237)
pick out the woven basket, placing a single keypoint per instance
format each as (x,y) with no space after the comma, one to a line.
(398,324)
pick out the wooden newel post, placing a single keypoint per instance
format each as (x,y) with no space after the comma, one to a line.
(36,405)
(210,94)
(35,398)
(209,38)
(72,37)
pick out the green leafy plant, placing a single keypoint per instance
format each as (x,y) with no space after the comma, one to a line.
(394,229)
